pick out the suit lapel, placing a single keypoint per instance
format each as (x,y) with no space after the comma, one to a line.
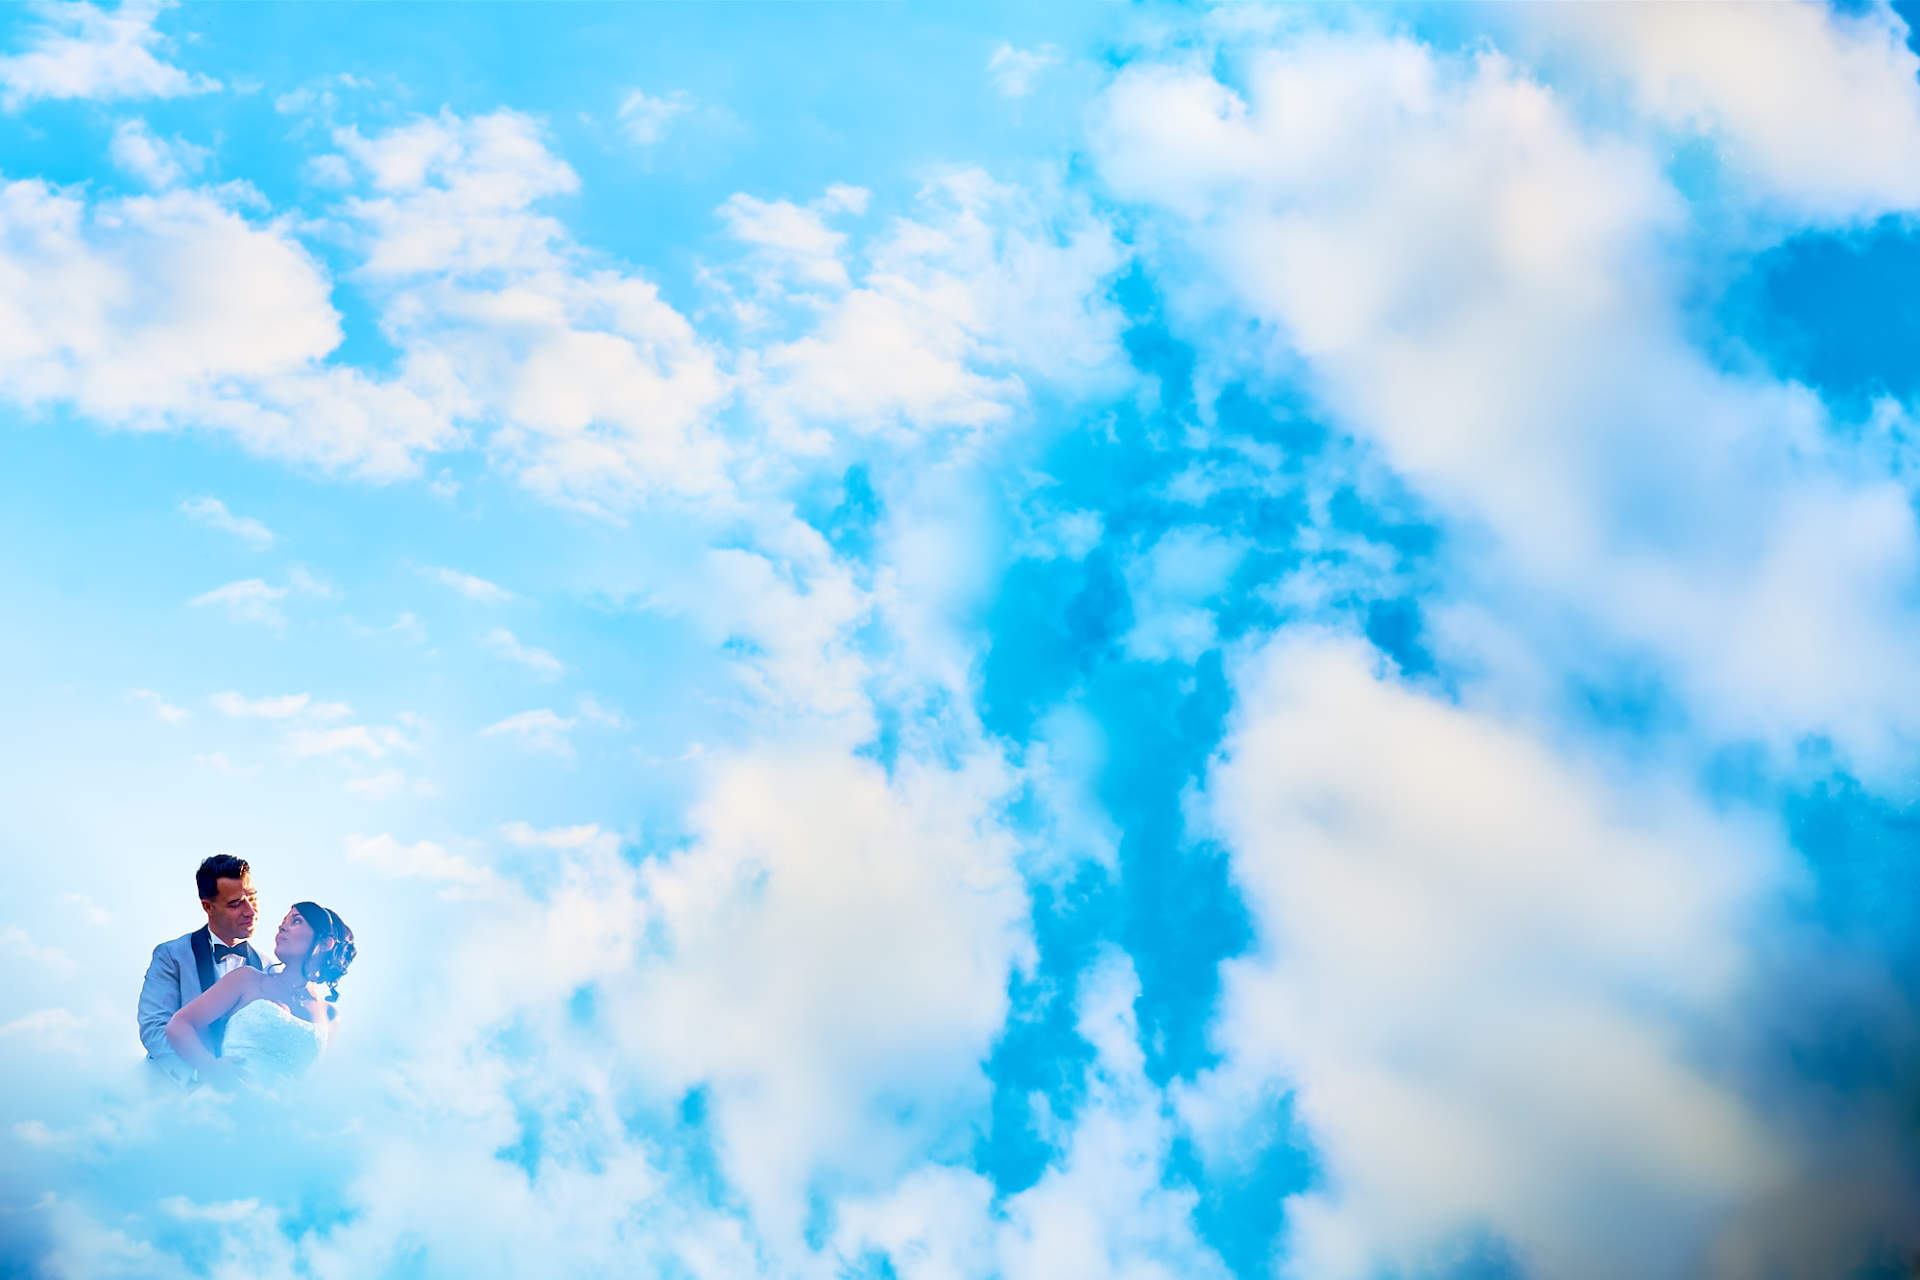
(253,957)
(202,942)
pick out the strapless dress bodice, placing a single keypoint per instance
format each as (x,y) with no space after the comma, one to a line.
(273,1045)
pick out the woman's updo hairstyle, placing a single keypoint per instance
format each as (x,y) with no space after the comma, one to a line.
(332,949)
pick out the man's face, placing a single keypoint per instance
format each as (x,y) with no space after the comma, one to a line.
(231,909)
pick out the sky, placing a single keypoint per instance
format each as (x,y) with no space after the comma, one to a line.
(942,642)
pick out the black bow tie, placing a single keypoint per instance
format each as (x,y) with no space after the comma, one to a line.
(221,951)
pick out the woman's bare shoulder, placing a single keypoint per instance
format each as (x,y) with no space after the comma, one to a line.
(242,983)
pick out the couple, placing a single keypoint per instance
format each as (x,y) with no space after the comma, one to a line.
(211,1011)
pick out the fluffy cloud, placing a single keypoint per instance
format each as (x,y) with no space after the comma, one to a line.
(645,120)
(1813,110)
(281,707)
(953,307)
(1487,973)
(214,514)
(469,586)
(1499,978)
(131,305)
(83,51)
(1014,71)
(423,860)
(1171,583)
(543,664)
(173,309)
(528,836)
(161,707)
(257,601)
(821,1063)
(1488,292)
(541,729)
(248,600)
(598,392)
(509,1055)
(792,237)
(1102,1210)
(370,741)
(158,162)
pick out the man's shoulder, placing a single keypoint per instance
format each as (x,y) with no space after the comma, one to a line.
(183,942)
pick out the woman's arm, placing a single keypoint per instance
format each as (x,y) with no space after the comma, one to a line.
(187,1029)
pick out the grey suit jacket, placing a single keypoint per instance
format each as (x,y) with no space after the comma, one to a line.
(180,970)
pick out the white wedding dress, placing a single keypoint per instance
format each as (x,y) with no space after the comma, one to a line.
(271,1044)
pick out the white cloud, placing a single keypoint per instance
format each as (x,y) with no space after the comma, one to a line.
(406,625)
(582,836)
(543,664)
(1485,972)
(169,310)
(161,707)
(80,50)
(1487,292)
(223,1211)
(257,601)
(955,307)
(793,238)
(645,120)
(599,392)
(48,1030)
(539,730)
(1104,1209)
(606,717)
(1812,109)
(453,194)
(841,197)
(282,707)
(23,950)
(320,96)
(1101,1210)
(1014,71)
(1056,533)
(807,855)
(248,600)
(158,162)
(422,860)
(787,621)
(301,580)
(214,514)
(87,908)
(145,303)
(409,626)
(1171,584)
(469,586)
(369,741)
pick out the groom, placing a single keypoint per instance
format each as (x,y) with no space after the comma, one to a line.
(183,968)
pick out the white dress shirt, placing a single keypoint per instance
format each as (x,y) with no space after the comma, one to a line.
(225,964)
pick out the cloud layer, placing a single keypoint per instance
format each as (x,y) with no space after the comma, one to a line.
(1232,658)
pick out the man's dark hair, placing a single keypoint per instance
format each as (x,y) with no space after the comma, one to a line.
(221,866)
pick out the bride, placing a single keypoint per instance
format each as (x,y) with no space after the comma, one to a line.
(276,1023)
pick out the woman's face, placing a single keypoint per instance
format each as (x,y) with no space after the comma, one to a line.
(294,936)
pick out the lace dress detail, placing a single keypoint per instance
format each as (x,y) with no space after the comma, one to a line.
(271,1044)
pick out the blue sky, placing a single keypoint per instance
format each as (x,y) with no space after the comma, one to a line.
(989,641)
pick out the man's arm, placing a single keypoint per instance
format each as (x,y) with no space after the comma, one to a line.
(186,1030)
(159,1001)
